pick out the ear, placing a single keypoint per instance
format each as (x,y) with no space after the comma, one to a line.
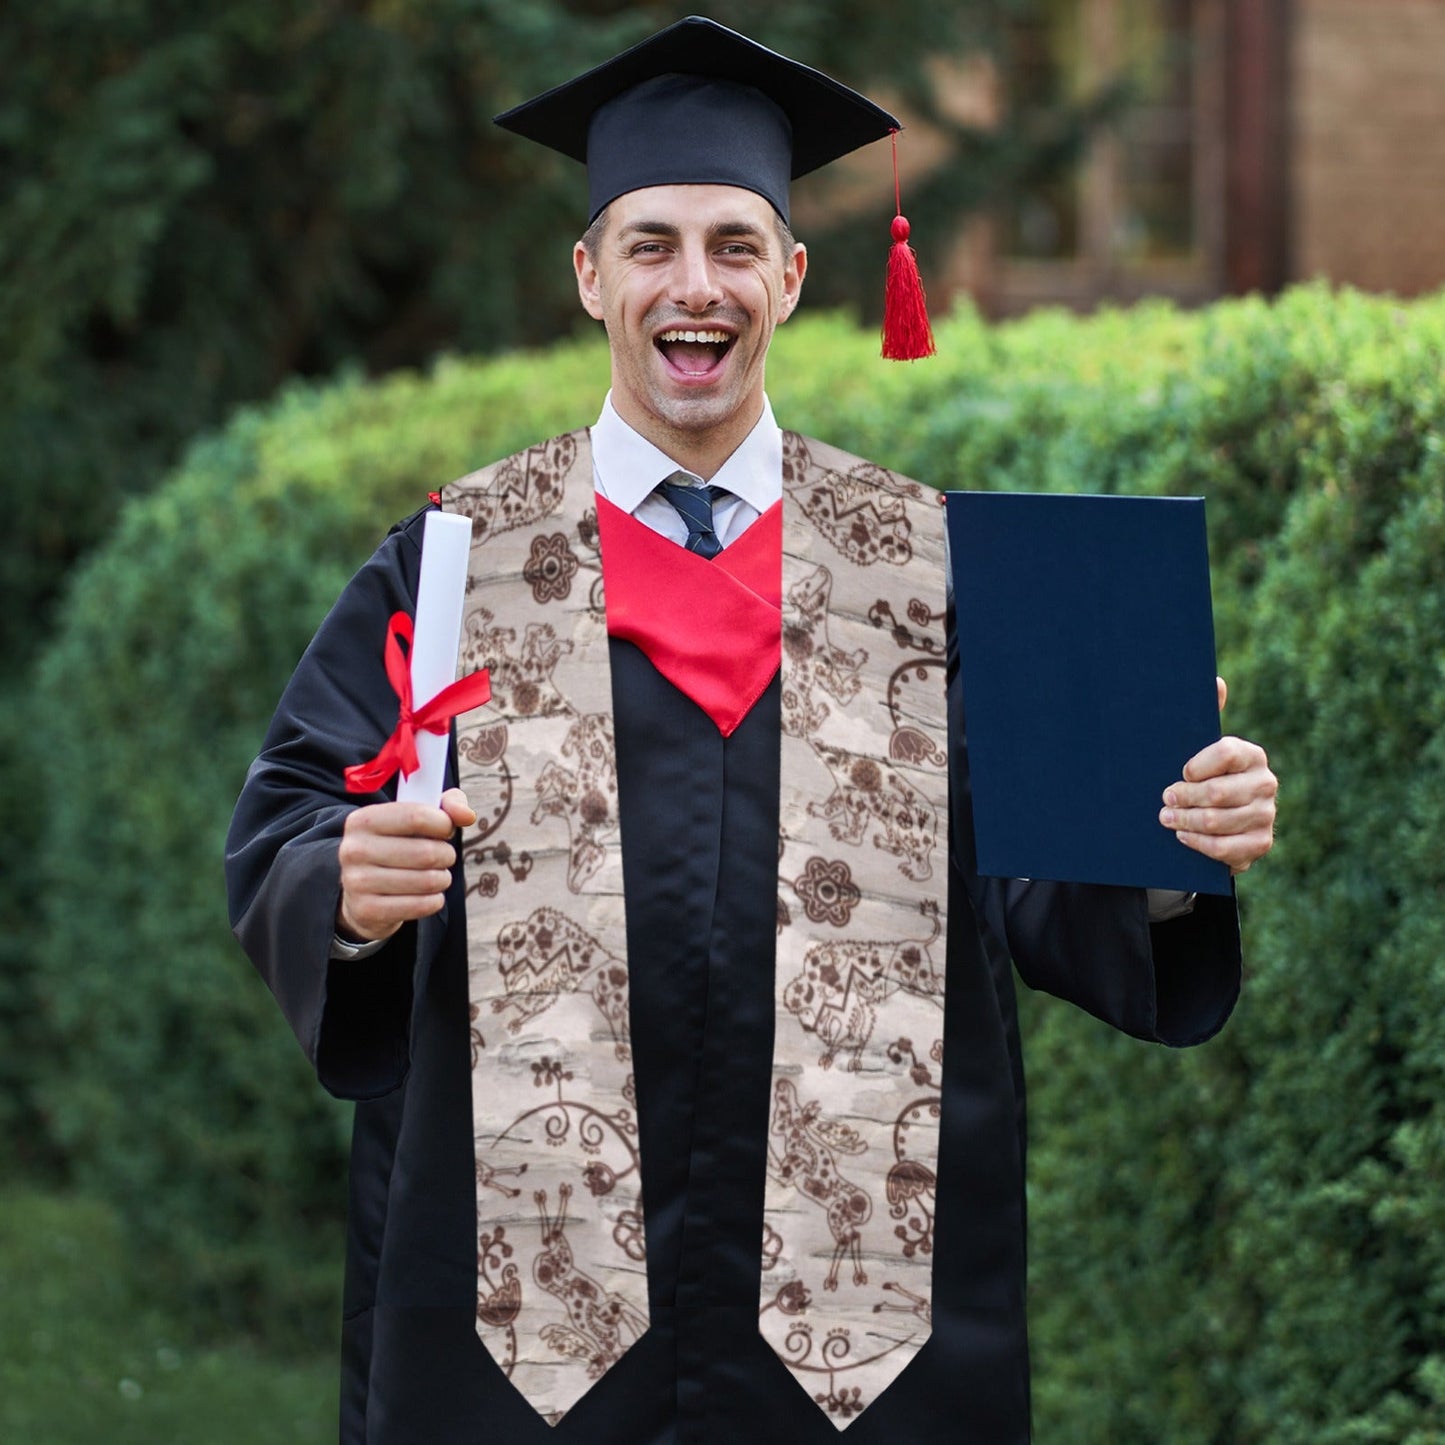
(589,284)
(794,269)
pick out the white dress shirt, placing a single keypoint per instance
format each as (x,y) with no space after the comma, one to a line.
(626,469)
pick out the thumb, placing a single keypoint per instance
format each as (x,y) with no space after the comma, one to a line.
(454,804)
(1222,688)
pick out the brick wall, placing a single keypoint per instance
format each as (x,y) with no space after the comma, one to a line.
(1367,145)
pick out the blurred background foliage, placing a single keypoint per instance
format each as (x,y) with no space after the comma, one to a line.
(233,242)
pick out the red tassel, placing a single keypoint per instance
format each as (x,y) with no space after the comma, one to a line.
(907,336)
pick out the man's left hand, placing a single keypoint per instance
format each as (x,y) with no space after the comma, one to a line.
(1224,805)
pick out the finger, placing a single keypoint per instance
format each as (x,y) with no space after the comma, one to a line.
(1228,755)
(1222,688)
(400,820)
(1239,851)
(387,850)
(1222,822)
(379,881)
(1228,790)
(372,917)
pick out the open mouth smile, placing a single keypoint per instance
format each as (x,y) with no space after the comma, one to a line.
(694,353)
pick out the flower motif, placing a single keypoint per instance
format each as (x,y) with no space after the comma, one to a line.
(550,568)
(912,745)
(844,1403)
(908,1179)
(548,1071)
(501,1306)
(828,892)
(627,1235)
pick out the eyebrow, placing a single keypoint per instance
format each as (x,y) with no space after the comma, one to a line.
(666,230)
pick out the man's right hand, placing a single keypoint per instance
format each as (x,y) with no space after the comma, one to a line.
(396,861)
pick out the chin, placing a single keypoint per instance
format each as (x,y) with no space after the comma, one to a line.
(695,413)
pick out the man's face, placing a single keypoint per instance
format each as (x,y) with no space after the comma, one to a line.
(690,282)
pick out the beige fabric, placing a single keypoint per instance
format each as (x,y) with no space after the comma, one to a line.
(847,1237)
(853,1138)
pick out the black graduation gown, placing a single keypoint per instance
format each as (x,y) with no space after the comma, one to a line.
(699,820)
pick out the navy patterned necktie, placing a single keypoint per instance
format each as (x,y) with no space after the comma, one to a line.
(694,505)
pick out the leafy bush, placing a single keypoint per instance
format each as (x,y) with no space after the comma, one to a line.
(1240,1244)
(172,1090)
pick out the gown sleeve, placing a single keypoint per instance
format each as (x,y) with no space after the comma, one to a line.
(1093,945)
(283,875)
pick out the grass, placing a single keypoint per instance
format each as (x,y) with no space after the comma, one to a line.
(83,1356)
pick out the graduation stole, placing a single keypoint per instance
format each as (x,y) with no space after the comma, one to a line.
(847,1232)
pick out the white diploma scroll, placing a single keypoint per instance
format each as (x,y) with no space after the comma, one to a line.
(445,545)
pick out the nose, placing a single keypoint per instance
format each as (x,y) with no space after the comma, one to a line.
(696,287)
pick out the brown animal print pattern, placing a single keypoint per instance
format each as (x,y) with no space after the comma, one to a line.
(562,1286)
(853,1137)
(852,1133)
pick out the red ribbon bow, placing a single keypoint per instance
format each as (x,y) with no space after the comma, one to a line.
(399,750)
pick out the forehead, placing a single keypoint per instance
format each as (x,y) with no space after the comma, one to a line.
(704,207)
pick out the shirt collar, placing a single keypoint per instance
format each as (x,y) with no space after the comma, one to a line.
(629,467)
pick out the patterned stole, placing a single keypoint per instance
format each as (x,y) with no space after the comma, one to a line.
(853,1128)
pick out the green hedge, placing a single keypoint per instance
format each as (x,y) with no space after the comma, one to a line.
(1240,1244)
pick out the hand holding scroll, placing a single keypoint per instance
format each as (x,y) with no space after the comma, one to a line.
(396,861)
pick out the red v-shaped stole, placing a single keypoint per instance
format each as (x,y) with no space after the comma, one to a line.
(712,628)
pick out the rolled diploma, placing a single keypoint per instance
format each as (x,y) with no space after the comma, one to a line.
(445,545)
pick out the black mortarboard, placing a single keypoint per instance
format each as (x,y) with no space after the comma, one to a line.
(699,104)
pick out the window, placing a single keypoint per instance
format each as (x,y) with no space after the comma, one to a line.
(1143,211)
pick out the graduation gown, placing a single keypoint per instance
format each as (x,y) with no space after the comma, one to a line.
(699,818)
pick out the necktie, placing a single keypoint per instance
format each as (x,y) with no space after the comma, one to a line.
(694,505)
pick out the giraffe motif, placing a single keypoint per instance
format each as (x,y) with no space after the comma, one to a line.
(806,1158)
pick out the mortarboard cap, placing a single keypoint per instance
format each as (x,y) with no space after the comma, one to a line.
(699,104)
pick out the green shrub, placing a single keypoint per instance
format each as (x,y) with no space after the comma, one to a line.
(1243,1244)
(1240,1244)
(171,1089)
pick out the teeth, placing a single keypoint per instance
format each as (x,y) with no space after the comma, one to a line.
(719,338)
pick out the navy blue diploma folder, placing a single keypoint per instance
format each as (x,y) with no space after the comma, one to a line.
(1086,652)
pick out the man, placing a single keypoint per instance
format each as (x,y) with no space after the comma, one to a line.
(703,917)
